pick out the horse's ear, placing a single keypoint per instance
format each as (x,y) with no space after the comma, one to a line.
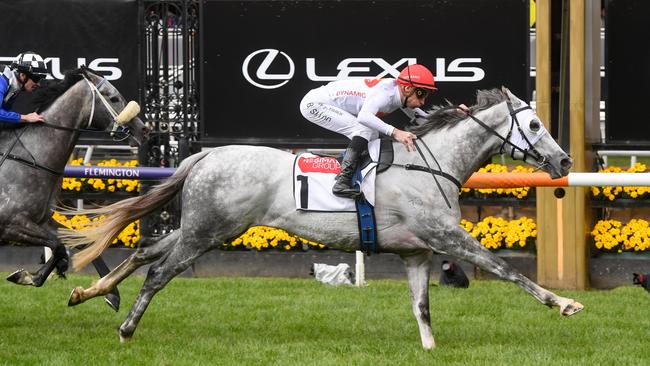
(506,92)
(511,97)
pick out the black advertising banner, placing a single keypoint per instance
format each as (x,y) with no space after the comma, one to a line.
(101,34)
(628,72)
(261,57)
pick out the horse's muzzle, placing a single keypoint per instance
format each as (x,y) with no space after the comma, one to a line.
(565,165)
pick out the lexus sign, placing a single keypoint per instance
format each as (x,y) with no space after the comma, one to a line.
(255,81)
(258,62)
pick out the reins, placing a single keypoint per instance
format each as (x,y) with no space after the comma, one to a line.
(13,144)
(428,169)
(417,146)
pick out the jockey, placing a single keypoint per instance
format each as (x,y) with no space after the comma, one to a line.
(24,74)
(353,108)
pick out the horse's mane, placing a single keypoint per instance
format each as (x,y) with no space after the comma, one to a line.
(46,96)
(446,116)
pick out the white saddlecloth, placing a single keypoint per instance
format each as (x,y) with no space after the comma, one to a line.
(318,173)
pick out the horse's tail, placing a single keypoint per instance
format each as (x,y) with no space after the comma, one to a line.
(98,235)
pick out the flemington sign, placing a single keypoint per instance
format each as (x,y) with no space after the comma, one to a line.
(144,173)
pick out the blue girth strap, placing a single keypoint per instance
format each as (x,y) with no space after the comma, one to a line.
(366,220)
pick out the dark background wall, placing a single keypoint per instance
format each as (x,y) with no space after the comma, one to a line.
(102,34)
(468,44)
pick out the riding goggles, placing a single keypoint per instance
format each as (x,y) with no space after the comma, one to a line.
(421,93)
(36,78)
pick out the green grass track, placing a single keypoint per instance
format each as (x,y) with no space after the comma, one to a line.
(264,321)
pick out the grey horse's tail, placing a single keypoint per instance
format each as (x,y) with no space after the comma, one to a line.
(97,236)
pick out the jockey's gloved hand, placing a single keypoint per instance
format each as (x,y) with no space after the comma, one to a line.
(405,138)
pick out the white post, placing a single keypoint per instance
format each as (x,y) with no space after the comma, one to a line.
(87,157)
(359,270)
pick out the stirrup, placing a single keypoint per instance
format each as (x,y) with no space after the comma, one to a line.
(347,192)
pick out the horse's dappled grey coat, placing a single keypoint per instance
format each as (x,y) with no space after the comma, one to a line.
(229,189)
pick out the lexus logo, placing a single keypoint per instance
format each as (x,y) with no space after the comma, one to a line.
(261,74)
(460,69)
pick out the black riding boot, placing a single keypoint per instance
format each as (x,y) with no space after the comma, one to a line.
(344,186)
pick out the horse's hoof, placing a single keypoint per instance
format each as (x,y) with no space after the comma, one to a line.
(429,345)
(75,296)
(16,276)
(20,277)
(124,337)
(113,301)
(572,308)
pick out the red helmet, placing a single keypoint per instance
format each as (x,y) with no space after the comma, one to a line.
(416,76)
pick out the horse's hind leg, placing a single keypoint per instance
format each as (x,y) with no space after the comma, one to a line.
(160,273)
(459,243)
(141,257)
(418,270)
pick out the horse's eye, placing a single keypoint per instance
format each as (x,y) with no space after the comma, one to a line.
(115,99)
(534,125)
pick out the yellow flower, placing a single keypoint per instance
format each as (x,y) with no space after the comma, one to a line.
(264,237)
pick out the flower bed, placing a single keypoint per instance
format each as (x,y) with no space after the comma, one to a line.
(497,233)
(263,238)
(611,236)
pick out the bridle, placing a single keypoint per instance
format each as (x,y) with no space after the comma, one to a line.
(115,117)
(540,160)
(117,120)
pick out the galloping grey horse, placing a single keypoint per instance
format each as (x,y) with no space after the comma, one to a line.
(229,189)
(33,156)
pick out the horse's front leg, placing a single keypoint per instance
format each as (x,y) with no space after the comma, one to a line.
(24,231)
(418,270)
(459,243)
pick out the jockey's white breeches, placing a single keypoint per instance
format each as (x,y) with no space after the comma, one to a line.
(333,118)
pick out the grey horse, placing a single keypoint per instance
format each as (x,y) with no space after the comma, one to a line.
(229,189)
(33,157)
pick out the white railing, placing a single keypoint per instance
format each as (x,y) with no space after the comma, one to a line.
(632,154)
